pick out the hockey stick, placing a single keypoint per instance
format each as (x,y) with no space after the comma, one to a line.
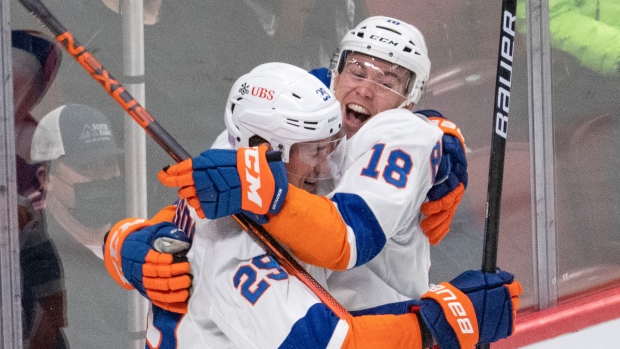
(174,149)
(498,139)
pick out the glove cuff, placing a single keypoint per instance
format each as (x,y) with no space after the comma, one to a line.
(445,306)
(113,245)
(448,128)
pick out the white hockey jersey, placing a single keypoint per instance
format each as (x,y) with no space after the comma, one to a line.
(380,249)
(390,167)
(241,298)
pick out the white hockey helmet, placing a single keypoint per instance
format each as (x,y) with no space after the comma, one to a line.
(284,105)
(393,41)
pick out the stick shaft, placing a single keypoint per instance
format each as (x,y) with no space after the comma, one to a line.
(169,144)
(498,139)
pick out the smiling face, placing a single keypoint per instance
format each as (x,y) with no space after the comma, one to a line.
(367,86)
(310,162)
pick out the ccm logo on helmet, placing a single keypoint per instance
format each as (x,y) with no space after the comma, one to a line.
(457,309)
(384,40)
(262,92)
(252,175)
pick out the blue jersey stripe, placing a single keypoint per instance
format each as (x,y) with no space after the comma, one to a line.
(369,236)
(314,330)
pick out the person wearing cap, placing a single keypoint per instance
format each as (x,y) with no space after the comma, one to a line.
(85,195)
(86,190)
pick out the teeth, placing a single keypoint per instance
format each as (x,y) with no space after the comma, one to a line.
(358,109)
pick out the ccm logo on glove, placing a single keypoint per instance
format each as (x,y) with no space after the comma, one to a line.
(257,187)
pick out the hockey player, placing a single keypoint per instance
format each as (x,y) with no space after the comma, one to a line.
(241,297)
(370,226)
(363,96)
(383,64)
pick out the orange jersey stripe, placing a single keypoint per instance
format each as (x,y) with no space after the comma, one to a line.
(384,331)
(305,223)
(166,214)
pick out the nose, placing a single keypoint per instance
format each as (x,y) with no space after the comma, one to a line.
(322,167)
(366,88)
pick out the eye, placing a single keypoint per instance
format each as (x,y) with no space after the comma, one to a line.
(355,69)
(389,82)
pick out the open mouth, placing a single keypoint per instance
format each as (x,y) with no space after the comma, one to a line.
(356,113)
(310,185)
(310,182)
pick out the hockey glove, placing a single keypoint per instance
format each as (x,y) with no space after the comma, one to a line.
(473,308)
(220,182)
(152,259)
(450,180)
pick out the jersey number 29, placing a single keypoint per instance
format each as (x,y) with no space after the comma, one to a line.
(251,283)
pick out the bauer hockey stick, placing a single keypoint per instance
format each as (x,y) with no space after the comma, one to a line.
(167,142)
(498,139)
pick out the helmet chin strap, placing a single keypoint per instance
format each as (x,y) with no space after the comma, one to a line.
(407,104)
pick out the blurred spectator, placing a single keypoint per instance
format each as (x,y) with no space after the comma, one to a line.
(589,30)
(85,188)
(85,194)
(36,60)
(305,32)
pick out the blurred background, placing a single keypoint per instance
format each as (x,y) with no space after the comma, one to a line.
(193,50)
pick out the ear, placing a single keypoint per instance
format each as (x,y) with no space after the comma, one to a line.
(334,81)
(409,106)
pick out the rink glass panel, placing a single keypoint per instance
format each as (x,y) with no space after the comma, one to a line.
(195,50)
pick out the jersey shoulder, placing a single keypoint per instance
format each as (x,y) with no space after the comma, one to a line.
(397,126)
(222,142)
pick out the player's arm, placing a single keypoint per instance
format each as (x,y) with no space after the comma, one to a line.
(385,186)
(211,184)
(473,308)
(149,256)
(450,180)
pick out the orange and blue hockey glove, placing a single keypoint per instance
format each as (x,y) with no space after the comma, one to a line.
(221,182)
(450,180)
(473,308)
(152,259)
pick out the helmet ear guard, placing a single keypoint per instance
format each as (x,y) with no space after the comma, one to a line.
(282,104)
(392,41)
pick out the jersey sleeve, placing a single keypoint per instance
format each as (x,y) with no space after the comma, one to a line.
(389,169)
